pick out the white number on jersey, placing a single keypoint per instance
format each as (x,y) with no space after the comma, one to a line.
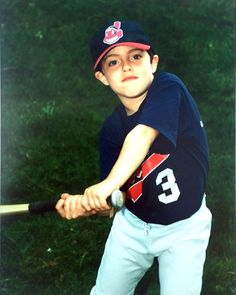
(170,185)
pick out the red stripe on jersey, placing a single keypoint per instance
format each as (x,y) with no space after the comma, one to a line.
(151,163)
(135,191)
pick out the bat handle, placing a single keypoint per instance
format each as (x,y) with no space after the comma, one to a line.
(116,200)
(41,207)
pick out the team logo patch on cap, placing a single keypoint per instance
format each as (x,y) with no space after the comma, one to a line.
(113,33)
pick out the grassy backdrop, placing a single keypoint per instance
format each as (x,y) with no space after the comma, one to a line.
(51,111)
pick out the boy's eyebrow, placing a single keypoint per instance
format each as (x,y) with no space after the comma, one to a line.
(109,55)
(116,54)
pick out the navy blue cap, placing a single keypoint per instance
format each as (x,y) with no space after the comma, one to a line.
(117,33)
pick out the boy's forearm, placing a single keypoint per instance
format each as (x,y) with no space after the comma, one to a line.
(133,152)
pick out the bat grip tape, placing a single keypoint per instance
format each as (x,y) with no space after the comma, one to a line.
(41,207)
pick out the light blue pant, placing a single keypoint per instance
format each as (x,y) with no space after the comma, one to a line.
(132,246)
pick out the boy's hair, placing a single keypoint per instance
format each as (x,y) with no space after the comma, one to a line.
(115,33)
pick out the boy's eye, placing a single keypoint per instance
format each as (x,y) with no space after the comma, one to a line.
(112,63)
(136,57)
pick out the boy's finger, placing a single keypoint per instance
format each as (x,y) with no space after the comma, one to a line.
(102,203)
(68,207)
(85,204)
(60,208)
(64,196)
(76,209)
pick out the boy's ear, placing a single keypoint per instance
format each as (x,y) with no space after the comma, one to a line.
(101,77)
(154,63)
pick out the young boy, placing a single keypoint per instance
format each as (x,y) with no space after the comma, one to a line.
(153,146)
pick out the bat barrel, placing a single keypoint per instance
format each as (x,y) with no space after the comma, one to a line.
(13,209)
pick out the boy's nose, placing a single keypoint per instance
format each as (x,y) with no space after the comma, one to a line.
(127,67)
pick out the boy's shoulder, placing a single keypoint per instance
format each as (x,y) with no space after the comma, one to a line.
(165,80)
(166,77)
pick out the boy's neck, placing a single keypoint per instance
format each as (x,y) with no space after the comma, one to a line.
(132,104)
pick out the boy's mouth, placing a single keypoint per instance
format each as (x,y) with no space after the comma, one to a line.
(128,78)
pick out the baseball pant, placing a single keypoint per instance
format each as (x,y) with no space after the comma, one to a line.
(133,244)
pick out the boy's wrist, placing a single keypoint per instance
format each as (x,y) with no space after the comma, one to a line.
(113,183)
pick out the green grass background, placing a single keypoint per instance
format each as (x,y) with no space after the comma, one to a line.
(51,112)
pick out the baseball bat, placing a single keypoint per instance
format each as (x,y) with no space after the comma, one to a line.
(116,200)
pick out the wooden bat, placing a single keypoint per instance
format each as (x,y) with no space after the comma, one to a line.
(116,201)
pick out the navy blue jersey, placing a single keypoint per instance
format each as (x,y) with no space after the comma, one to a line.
(170,183)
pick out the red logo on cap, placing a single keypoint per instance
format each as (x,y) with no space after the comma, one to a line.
(113,33)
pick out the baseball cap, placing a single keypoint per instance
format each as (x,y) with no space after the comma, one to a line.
(117,33)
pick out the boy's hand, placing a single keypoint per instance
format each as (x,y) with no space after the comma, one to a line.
(95,196)
(69,207)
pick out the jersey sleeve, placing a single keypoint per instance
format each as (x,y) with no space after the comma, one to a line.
(161,111)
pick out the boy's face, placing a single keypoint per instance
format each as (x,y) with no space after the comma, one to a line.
(128,71)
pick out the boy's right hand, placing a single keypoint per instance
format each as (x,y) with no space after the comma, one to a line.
(69,207)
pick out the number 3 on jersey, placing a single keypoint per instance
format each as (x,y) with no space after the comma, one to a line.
(169,185)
